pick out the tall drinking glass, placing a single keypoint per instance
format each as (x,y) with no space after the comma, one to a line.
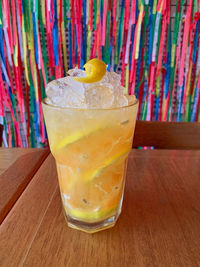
(91,147)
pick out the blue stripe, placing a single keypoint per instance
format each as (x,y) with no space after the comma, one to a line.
(196,42)
(35,37)
(76,45)
(55,35)
(157,108)
(70,45)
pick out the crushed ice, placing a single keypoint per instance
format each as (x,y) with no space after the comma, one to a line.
(107,93)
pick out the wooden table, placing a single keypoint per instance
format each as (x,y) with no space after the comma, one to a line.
(17,168)
(159,225)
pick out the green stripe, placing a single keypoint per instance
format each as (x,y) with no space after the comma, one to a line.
(107,58)
(44,46)
(13,133)
(95,14)
(1,14)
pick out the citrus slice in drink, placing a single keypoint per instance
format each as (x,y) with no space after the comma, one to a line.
(84,155)
(76,136)
(92,216)
(99,198)
(95,70)
(108,162)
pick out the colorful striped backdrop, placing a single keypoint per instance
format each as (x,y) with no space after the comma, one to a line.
(152,43)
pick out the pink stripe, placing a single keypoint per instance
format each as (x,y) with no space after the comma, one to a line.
(2,113)
(176,68)
(19,4)
(123,70)
(42,123)
(3,93)
(79,28)
(114,21)
(91,14)
(94,50)
(42,62)
(9,135)
(127,14)
(198,85)
(10,104)
(20,94)
(14,22)
(10,34)
(152,76)
(159,5)
(133,13)
(167,106)
(133,54)
(133,77)
(18,134)
(99,40)
(104,22)
(185,42)
(57,71)
(164,24)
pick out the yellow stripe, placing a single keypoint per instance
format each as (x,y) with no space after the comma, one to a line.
(164,108)
(64,46)
(154,6)
(89,38)
(189,79)
(43,12)
(139,4)
(16,55)
(58,9)
(173,54)
(161,7)
(25,52)
(158,85)
(127,78)
(138,33)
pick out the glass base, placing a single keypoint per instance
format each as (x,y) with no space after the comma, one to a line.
(92,227)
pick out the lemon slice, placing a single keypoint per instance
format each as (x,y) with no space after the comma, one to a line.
(95,70)
(70,139)
(91,216)
(92,175)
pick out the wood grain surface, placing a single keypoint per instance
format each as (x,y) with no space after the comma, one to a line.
(9,155)
(159,224)
(20,165)
(20,226)
(167,135)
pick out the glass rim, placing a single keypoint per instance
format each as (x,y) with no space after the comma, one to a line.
(90,109)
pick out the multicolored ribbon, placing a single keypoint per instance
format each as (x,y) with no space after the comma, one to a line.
(40,40)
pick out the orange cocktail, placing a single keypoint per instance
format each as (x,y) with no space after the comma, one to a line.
(91,147)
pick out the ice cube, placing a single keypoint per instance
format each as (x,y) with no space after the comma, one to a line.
(131,99)
(66,92)
(77,73)
(99,96)
(120,101)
